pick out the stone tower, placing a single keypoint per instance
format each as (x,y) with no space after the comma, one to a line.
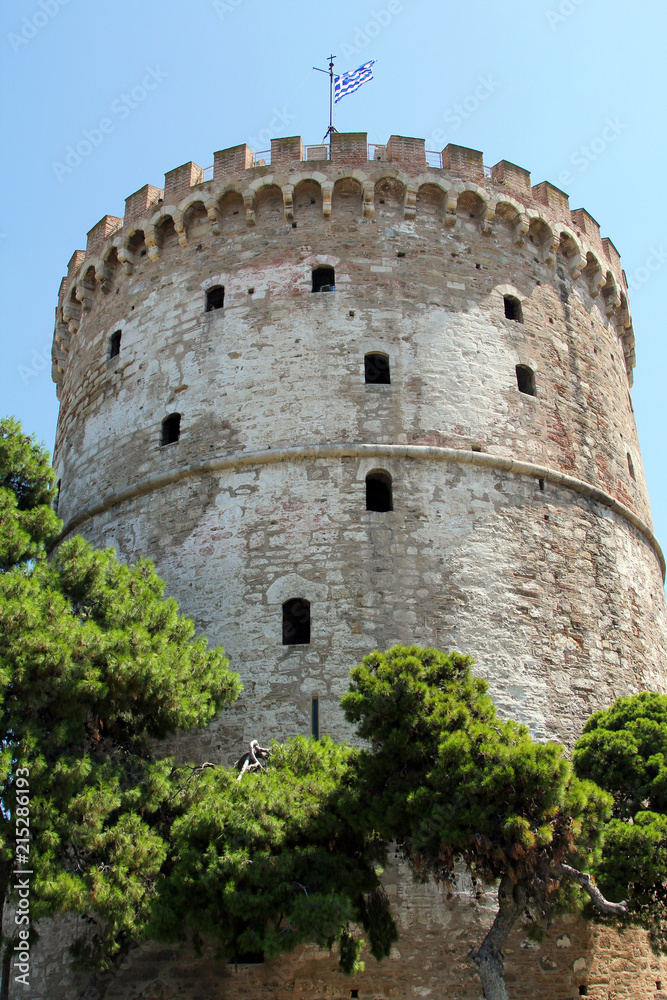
(352,396)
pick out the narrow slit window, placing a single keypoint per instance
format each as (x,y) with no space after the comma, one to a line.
(513,308)
(379,491)
(315,718)
(114,344)
(376,369)
(324,279)
(296,622)
(215,298)
(171,428)
(631,468)
(56,499)
(525,379)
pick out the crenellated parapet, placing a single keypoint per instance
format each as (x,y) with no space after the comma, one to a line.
(456,181)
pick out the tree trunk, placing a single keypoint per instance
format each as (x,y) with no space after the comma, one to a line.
(488,959)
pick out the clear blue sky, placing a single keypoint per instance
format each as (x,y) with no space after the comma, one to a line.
(229,71)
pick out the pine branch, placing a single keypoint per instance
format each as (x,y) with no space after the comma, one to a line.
(587,884)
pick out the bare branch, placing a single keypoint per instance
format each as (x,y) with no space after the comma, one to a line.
(587,884)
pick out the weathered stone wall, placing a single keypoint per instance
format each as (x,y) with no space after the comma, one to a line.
(520,532)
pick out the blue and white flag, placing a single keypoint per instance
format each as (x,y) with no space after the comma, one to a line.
(349,82)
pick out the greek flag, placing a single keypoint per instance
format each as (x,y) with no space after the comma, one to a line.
(349,82)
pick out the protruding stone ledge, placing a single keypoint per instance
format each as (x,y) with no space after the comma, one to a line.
(300,453)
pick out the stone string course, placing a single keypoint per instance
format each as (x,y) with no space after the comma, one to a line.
(521,530)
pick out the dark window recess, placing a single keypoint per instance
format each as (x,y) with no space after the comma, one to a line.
(376,369)
(378,491)
(513,308)
(315,718)
(171,428)
(525,379)
(296,622)
(324,279)
(583,991)
(114,344)
(56,499)
(631,468)
(541,484)
(249,958)
(215,298)
(354,994)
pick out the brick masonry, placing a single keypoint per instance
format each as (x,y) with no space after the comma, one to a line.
(520,533)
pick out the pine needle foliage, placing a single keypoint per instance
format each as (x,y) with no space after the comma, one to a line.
(276,860)
(95,664)
(451,781)
(624,749)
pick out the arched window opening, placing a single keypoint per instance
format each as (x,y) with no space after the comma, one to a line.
(379,491)
(296,622)
(513,308)
(114,344)
(376,369)
(631,468)
(525,379)
(324,279)
(215,298)
(171,428)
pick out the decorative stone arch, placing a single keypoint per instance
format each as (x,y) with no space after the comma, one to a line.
(106,266)
(84,287)
(347,199)
(431,203)
(571,250)
(513,213)
(72,310)
(196,222)
(230,209)
(163,230)
(542,235)
(610,294)
(268,203)
(307,201)
(389,198)
(473,202)
(593,274)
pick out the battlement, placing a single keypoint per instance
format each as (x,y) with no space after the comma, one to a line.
(538,214)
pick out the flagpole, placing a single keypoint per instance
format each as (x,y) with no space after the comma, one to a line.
(327,134)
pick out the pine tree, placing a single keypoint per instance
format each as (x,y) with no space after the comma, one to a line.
(95,666)
(452,783)
(624,750)
(276,859)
